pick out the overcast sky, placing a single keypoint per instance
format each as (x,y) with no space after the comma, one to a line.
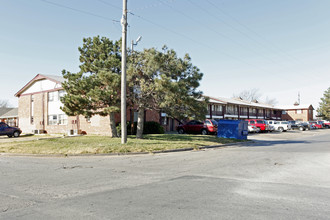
(280,47)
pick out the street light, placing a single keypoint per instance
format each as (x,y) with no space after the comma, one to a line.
(132,112)
(136,42)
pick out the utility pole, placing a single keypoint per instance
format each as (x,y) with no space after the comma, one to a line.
(123,75)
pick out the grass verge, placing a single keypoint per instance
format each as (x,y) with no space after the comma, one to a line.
(103,144)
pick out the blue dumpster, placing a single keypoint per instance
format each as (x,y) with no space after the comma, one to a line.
(233,129)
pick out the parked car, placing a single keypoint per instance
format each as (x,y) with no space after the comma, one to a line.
(306,125)
(261,124)
(252,128)
(321,123)
(280,125)
(314,124)
(9,131)
(326,124)
(271,127)
(298,125)
(198,127)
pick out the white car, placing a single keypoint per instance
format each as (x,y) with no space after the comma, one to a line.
(252,129)
(280,125)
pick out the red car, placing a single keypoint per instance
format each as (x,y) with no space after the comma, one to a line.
(261,124)
(327,124)
(315,124)
(198,127)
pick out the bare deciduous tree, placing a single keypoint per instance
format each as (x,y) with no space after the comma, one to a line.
(249,95)
(253,95)
(4,104)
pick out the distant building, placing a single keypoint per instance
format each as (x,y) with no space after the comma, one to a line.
(9,116)
(297,112)
(238,109)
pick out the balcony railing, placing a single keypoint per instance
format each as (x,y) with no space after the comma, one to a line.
(217,113)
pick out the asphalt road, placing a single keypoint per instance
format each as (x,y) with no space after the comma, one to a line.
(279,176)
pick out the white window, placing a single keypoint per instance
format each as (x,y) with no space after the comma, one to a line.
(52,119)
(62,119)
(298,111)
(61,93)
(51,96)
(283,112)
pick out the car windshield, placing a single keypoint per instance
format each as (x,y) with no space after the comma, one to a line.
(260,122)
(284,122)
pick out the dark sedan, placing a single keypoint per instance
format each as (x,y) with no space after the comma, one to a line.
(9,131)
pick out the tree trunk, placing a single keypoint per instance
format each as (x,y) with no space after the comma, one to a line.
(113,130)
(140,123)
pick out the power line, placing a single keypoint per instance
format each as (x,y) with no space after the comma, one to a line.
(112,5)
(78,10)
(198,42)
(269,44)
(220,34)
(152,5)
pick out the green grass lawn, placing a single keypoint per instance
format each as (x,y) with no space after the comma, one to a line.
(102,144)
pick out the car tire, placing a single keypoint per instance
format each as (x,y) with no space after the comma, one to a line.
(280,129)
(204,132)
(181,131)
(301,129)
(16,134)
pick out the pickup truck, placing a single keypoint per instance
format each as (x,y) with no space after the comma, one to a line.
(280,125)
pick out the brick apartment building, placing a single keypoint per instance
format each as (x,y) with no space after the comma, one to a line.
(297,112)
(238,109)
(39,111)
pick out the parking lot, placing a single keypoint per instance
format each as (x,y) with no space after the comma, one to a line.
(291,134)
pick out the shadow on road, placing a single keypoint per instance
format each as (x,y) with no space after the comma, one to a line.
(266,143)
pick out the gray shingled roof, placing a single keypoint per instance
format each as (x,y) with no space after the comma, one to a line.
(8,112)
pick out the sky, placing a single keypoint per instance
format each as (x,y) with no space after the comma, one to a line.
(280,47)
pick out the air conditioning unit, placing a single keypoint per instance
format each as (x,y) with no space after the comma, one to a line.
(40,131)
(70,132)
(73,132)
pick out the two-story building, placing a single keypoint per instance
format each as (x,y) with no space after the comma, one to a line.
(238,109)
(298,112)
(39,111)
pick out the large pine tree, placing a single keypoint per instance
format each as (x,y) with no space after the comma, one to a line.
(162,81)
(324,109)
(95,89)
